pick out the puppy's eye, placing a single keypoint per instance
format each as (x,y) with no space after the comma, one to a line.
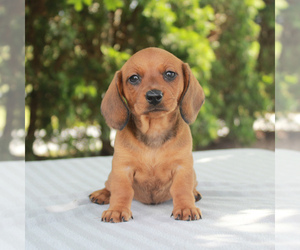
(169,76)
(134,79)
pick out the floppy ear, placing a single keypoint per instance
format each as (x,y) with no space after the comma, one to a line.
(192,96)
(113,107)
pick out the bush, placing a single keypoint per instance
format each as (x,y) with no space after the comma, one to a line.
(73,48)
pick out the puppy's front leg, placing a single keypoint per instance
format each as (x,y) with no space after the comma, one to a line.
(120,186)
(183,197)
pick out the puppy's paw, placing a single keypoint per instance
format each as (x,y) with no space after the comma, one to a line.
(197,195)
(192,213)
(121,214)
(100,196)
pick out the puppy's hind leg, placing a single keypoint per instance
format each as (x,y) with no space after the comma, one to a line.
(197,195)
(100,196)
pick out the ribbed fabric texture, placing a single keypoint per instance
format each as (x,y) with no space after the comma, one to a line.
(237,185)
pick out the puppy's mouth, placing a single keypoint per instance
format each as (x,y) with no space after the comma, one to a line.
(154,110)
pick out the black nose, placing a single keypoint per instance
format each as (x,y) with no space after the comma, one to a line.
(154,96)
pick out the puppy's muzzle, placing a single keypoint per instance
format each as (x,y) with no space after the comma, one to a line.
(154,96)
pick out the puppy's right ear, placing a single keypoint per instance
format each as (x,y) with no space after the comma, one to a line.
(113,107)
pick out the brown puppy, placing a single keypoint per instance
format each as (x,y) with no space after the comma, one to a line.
(151,101)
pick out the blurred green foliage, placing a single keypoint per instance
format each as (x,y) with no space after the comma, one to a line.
(73,48)
(287,57)
(11,77)
(242,81)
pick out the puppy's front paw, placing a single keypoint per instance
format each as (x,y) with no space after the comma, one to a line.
(121,214)
(187,214)
(100,196)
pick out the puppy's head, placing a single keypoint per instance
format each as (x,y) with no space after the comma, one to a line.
(152,82)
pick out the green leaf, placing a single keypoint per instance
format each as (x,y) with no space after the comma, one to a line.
(87,2)
(78,4)
(112,5)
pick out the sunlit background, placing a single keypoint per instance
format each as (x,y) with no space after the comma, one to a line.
(12,75)
(73,48)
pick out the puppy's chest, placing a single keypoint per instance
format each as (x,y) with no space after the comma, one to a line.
(153,176)
(152,181)
(154,166)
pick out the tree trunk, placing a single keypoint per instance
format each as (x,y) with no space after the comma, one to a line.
(29,154)
(107,149)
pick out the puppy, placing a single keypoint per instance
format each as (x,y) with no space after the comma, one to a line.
(151,101)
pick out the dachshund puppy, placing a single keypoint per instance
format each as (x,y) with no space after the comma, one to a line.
(151,101)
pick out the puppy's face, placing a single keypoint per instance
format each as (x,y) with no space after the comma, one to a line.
(153,82)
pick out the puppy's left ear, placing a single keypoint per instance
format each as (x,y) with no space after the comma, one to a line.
(192,96)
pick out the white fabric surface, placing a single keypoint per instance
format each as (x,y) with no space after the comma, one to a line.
(238,206)
(12,205)
(287,199)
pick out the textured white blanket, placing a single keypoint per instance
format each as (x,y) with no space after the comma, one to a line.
(238,206)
